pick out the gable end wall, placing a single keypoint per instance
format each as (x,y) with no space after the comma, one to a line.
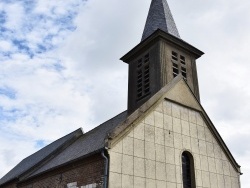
(150,154)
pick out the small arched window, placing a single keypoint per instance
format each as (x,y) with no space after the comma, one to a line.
(188,174)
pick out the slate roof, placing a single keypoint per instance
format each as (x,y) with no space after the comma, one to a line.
(159,17)
(82,145)
(37,157)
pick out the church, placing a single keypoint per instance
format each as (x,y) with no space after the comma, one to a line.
(164,139)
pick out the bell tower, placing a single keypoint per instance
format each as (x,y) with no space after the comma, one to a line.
(159,57)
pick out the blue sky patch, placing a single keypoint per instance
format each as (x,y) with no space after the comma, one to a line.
(7,115)
(40,143)
(8,92)
(3,17)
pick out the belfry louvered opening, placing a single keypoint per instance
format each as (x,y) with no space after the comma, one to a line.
(143,77)
(179,65)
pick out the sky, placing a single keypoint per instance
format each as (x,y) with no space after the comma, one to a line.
(60,68)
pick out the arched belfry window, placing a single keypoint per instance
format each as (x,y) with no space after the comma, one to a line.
(188,174)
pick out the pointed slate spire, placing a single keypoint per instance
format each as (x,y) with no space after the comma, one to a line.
(159,17)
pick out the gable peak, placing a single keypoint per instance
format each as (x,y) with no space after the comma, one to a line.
(159,17)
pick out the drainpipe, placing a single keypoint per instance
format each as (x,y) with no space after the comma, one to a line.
(105,168)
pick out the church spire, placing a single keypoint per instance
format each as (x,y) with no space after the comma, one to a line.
(159,17)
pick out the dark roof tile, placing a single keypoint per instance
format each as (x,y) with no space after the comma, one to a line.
(37,157)
(159,17)
(86,144)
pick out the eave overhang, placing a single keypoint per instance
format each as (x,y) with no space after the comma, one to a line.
(161,35)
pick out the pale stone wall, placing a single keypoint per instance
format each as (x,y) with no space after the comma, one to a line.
(150,155)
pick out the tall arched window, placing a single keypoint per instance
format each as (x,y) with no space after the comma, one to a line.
(188,174)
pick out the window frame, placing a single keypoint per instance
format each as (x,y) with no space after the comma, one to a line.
(191,170)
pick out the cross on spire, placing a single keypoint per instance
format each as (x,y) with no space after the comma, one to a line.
(159,17)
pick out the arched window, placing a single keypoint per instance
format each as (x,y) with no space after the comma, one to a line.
(188,174)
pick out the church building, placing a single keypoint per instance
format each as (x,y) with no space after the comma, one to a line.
(164,139)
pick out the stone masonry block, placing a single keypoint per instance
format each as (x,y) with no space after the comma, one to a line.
(115,180)
(139,182)
(186,142)
(208,135)
(139,167)
(213,180)
(195,145)
(170,155)
(219,166)
(149,150)
(197,161)
(159,107)
(198,176)
(185,127)
(177,156)
(204,163)
(220,179)
(169,138)
(177,141)
(171,173)
(176,111)
(177,125)
(202,147)
(217,151)
(160,171)
(150,183)
(184,114)
(127,181)
(171,185)
(150,120)
(168,122)
(205,179)
(210,149)
(211,165)
(199,119)
(115,162)
(201,132)
(117,148)
(167,108)
(161,183)
(226,169)
(128,146)
(158,119)
(150,169)
(192,116)
(228,183)
(178,174)
(193,130)
(160,153)
(139,131)
(159,136)
(149,133)
(128,164)
(139,148)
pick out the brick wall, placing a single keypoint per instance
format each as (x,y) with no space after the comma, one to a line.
(87,171)
(10,185)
